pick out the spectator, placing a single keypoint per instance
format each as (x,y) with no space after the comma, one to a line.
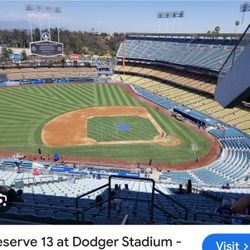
(99,200)
(224,208)
(11,195)
(117,189)
(3,190)
(18,169)
(19,193)
(227,186)
(180,190)
(124,194)
(115,202)
(189,187)
(125,191)
(35,172)
(126,187)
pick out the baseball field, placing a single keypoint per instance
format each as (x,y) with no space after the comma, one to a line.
(94,121)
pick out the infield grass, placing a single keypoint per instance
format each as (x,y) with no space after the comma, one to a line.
(105,128)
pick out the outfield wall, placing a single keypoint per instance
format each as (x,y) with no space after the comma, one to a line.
(48,80)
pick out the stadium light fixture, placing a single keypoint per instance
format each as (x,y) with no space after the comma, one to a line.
(58,10)
(29,7)
(171,15)
(43,8)
(38,8)
(244,7)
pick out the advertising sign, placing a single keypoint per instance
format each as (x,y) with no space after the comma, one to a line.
(74,57)
(16,57)
(96,171)
(38,81)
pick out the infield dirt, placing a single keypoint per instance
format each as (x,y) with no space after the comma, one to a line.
(71,129)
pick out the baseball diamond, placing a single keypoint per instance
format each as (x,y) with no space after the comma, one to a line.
(97,126)
(33,109)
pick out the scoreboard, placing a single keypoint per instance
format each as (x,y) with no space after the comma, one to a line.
(46,47)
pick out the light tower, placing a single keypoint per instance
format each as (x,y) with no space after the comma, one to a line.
(40,10)
(123,54)
(58,11)
(167,15)
(244,7)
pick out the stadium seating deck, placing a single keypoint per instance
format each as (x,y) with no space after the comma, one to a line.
(187,79)
(53,72)
(197,53)
(237,117)
(55,207)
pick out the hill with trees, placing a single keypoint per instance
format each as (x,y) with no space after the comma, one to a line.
(88,43)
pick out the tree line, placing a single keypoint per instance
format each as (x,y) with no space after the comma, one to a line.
(84,43)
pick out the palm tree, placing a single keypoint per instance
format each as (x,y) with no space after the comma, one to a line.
(217,29)
(237,23)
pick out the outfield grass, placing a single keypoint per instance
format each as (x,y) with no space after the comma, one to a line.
(24,111)
(105,128)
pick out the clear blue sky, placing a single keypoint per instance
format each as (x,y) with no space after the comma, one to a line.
(132,16)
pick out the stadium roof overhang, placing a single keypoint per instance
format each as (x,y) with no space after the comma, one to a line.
(189,68)
(221,36)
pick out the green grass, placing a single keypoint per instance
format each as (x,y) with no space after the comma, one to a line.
(104,128)
(25,110)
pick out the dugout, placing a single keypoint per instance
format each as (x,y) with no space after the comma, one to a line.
(191,116)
